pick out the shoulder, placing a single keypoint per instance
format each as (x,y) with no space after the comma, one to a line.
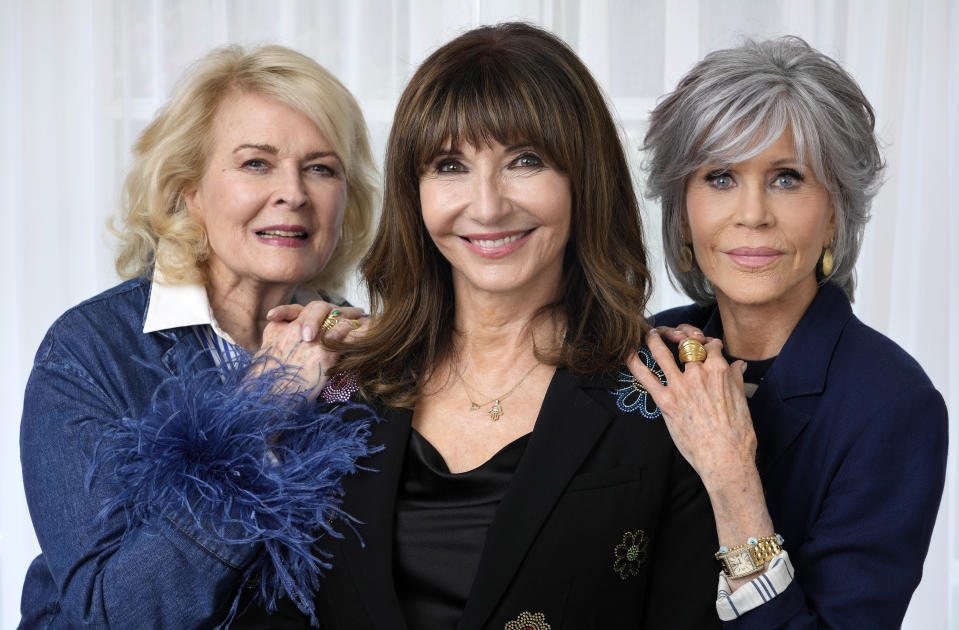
(694,314)
(874,397)
(112,314)
(878,367)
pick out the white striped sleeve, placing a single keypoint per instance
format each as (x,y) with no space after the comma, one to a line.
(756,592)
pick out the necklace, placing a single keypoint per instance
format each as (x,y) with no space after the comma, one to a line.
(496,403)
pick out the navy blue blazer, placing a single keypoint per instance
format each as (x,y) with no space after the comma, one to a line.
(593,477)
(852,455)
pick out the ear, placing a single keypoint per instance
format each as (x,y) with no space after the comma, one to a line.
(190,197)
(830,227)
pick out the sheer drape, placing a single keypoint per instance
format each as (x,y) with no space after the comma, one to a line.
(80,78)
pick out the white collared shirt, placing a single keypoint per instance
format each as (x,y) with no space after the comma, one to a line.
(187,305)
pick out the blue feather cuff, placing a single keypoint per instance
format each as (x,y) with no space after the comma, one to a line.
(245,464)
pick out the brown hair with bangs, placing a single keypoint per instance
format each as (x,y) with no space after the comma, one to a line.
(508,83)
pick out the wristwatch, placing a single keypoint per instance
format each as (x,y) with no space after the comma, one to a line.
(749,558)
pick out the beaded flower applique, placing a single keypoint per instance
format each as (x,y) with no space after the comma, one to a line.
(630,554)
(528,621)
(632,396)
(340,387)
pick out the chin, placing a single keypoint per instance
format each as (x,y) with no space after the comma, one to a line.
(293,278)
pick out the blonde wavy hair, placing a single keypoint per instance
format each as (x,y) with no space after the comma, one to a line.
(156,232)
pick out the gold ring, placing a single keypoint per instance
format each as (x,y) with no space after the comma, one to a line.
(331,320)
(691,351)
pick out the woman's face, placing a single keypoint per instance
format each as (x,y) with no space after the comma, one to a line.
(272,196)
(501,217)
(759,226)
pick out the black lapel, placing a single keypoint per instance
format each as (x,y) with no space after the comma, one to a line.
(568,426)
(371,497)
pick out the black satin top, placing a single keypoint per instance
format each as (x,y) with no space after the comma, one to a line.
(440,529)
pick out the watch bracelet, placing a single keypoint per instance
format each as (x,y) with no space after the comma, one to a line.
(760,552)
(766,549)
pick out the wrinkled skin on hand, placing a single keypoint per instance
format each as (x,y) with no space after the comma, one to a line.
(294,338)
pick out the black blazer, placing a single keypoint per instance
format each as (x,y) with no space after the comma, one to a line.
(593,477)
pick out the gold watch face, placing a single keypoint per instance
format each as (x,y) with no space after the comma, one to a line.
(740,564)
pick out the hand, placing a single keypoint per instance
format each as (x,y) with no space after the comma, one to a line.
(295,338)
(680,332)
(310,319)
(705,411)
(704,406)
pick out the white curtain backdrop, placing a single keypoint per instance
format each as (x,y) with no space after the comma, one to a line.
(80,78)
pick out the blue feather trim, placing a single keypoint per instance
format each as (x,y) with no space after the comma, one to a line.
(248,464)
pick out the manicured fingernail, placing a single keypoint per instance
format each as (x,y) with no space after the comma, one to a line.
(308,333)
(653,331)
(335,312)
(270,312)
(742,367)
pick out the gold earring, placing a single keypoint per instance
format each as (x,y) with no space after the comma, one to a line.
(685,262)
(827,262)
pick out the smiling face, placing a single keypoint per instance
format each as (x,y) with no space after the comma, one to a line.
(758,228)
(500,216)
(272,196)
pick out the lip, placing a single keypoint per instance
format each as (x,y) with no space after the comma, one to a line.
(496,244)
(280,240)
(753,257)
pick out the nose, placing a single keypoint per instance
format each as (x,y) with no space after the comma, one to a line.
(752,211)
(489,201)
(290,188)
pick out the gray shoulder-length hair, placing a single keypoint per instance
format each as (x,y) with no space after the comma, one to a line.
(735,103)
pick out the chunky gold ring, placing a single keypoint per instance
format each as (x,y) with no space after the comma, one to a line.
(331,320)
(691,351)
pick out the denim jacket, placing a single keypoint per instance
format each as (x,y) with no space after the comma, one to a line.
(153,481)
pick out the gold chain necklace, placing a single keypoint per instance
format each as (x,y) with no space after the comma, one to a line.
(496,409)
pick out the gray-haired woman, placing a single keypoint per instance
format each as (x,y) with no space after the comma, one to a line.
(765,161)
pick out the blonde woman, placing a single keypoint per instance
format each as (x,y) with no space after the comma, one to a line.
(173,447)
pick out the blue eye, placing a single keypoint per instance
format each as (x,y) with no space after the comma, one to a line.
(255,164)
(719,179)
(321,169)
(788,178)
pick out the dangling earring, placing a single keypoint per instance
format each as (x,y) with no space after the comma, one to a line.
(827,261)
(685,262)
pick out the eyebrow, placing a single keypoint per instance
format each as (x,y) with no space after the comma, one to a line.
(783,161)
(272,150)
(266,148)
(321,154)
(509,149)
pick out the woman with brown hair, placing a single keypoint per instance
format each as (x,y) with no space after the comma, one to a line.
(525,481)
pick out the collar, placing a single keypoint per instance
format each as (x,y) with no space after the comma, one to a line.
(179,305)
(802,364)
